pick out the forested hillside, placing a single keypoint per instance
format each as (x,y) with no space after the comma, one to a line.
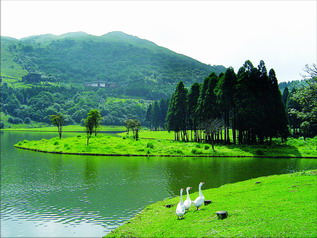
(123,64)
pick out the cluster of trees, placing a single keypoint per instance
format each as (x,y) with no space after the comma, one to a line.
(156,114)
(246,107)
(301,105)
(91,122)
(134,125)
(37,103)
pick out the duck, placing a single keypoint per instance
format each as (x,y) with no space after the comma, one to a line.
(187,202)
(200,199)
(180,209)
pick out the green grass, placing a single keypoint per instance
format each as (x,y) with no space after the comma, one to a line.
(106,144)
(70,128)
(279,206)
(162,135)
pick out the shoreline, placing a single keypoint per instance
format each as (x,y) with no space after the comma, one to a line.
(24,130)
(151,155)
(244,211)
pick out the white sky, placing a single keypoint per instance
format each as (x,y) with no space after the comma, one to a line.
(282,33)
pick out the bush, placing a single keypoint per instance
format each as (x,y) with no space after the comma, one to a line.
(259,152)
(198,145)
(150,145)
(178,151)
(1,125)
(15,120)
(207,147)
(195,151)
(56,143)
(27,120)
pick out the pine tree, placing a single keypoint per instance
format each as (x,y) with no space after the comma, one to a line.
(177,113)
(156,115)
(148,116)
(285,96)
(225,91)
(164,107)
(280,122)
(192,102)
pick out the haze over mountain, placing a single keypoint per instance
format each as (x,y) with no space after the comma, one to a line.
(135,65)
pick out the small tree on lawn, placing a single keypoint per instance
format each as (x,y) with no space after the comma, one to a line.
(89,124)
(134,125)
(58,120)
(128,123)
(96,118)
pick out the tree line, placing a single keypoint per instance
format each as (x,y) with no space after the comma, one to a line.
(156,113)
(244,107)
(37,103)
(301,105)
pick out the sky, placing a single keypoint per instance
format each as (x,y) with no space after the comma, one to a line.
(282,33)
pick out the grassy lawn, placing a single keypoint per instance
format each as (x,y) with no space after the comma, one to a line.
(107,144)
(278,206)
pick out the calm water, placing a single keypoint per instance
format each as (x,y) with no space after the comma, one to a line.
(47,195)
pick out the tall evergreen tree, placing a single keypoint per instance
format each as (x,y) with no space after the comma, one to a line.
(225,92)
(280,122)
(156,115)
(149,115)
(164,107)
(177,113)
(192,102)
(285,96)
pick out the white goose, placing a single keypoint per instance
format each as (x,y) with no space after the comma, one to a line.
(187,202)
(200,199)
(180,209)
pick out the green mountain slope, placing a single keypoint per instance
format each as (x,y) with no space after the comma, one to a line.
(137,67)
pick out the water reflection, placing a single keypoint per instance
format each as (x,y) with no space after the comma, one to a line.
(49,195)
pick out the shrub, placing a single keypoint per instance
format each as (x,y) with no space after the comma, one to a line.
(56,143)
(198,145)
(207,147)
(27,120)
(259,152)
(15,120)
(178,151)
(79,136)
(1,125)
(150,145)
(195,151)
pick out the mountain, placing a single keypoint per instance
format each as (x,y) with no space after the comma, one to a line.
(133,66)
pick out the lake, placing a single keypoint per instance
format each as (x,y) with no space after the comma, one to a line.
(51,195)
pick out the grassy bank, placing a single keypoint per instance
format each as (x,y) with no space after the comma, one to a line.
(278,206)
(70,128)
(110,145)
